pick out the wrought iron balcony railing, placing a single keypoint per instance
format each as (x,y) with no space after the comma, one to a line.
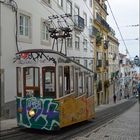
(93,31)
(102,22)
(79,22)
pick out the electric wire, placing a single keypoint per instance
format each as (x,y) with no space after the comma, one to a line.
(118,27)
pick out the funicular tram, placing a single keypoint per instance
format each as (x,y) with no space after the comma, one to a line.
(53,91)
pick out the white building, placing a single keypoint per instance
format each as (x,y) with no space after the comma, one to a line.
(32,33)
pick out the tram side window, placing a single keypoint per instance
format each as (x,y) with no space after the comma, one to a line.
(72,79)
(31,81)
(80,84)
(67,79)
(60,78)
(19,89)
(49,82)
(76,83)
(90,86)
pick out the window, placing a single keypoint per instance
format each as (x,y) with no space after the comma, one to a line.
(72,79)
(60,78)
(69,42)
(85,19)
(19,89)
(45,32)
(69,7)
(31,81)
(77,42)
(85,63)
(80,84)
(60,3)
(85,44)
(90,3)
(67,79)
(90,86)
(49,82)
(76,11)
(47,1)
(24,26)
(76,83)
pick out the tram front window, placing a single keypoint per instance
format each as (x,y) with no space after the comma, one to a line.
(49,82)
(31,81)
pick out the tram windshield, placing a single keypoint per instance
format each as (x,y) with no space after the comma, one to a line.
(31,81)
(49,82)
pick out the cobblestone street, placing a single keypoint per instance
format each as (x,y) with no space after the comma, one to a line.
(125,127)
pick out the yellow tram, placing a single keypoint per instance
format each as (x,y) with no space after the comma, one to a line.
(53,91)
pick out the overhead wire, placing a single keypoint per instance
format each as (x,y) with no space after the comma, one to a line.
(70,18)
(118,28)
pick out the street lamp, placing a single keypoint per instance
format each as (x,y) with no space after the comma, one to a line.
(137,60)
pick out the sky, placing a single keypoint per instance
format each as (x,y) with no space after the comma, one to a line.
(126,13)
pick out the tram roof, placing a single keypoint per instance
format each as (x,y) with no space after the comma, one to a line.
(54,52)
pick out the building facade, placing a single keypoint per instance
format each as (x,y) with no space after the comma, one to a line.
(114,70)
(101,29)
(25,24)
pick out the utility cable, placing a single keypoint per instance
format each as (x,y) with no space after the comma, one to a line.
(118,28)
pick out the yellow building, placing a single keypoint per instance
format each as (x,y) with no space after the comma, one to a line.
(113,71)
(101,30)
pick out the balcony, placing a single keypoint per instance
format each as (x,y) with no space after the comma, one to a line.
(99,63)
(106,44)
(101,21)
(93,31)
(78,23)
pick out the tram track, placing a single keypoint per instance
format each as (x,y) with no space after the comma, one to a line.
(83,128)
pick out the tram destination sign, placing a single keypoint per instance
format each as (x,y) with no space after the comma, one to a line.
(35,57)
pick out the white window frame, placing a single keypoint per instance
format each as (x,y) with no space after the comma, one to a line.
(85,44)
(69,7)
(85,18)
(69,42)
(86,63)
(44,40)
(27,38)
(91,3)
(77,42)
(60,3)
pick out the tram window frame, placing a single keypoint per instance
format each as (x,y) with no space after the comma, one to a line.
(67,80)
(34,89)
(49,94)
(18,81)
(60,73)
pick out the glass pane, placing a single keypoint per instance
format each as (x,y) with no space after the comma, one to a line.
(36,77)
(49,82)
(26,31)
(21,30)
(76,83)
(19,81)
(72,79)
(67,79)
(80,86)
(29,76)
(60,81)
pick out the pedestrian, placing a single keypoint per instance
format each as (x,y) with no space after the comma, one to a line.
(120,94)
(114,98)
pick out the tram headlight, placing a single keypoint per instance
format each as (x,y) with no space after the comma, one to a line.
(31,113)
